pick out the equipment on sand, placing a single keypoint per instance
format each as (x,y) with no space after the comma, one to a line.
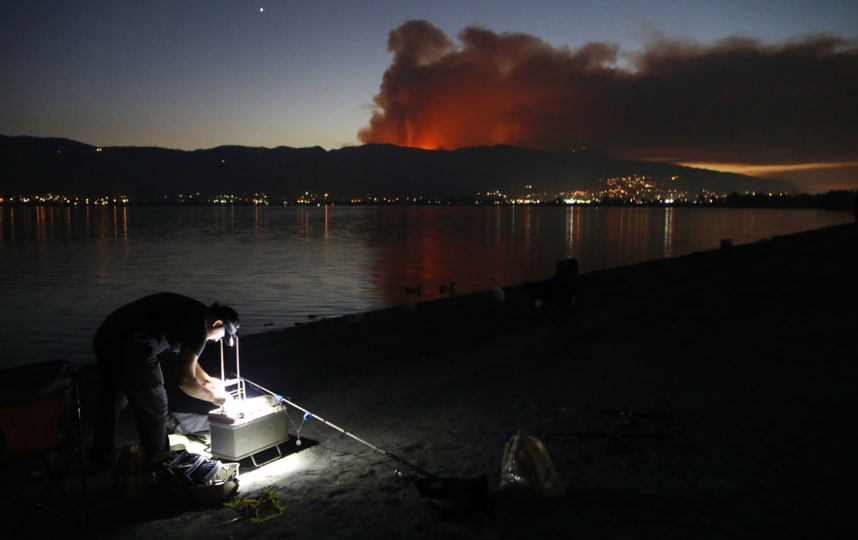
(527,471)
(266,503)
(249,426)
(445,495)
(206,480)
(244,427)
(308,415)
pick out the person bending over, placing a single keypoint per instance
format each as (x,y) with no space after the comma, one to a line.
(127,344)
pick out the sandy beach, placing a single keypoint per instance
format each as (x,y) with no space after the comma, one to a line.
(741,372)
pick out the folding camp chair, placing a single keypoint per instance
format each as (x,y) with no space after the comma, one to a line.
(40,437)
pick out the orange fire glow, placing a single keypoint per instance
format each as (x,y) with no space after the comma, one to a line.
(736,99)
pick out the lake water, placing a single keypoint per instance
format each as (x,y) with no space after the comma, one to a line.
(64,269)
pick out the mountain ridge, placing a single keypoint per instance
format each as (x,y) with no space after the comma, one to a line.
(34,165)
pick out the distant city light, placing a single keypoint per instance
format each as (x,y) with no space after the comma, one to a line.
(631,189)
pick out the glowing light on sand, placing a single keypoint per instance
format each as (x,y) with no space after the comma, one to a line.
(272,472)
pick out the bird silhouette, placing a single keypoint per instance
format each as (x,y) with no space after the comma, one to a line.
(413,290)
(451,288)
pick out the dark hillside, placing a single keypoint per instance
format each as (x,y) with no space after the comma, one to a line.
(34,165)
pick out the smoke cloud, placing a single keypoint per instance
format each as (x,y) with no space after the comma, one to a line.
(734,101)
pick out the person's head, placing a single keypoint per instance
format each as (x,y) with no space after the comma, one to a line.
(221,321)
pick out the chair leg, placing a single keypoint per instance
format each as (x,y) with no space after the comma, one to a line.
(55,478)
(84,499)
(85,520)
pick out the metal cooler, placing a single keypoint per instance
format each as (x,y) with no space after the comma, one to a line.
(252,426)
(244,427)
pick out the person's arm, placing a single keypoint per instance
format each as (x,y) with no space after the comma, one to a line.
(189,382)
(208,381)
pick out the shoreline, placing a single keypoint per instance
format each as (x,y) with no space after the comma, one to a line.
(752,357)
(76,293)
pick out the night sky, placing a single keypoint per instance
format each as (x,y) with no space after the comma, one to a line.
(768,84)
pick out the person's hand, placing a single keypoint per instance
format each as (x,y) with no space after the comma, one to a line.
(214,385)
(220,397)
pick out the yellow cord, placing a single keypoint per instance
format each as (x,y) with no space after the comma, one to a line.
(267,501)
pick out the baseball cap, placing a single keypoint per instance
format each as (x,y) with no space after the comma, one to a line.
(231,323)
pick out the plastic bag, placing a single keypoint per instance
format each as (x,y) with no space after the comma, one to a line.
(527,471)
(184,423)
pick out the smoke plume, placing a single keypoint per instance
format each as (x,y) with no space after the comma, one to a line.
(737,100)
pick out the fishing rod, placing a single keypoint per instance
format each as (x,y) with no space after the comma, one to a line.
(307,413)
(550,434)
